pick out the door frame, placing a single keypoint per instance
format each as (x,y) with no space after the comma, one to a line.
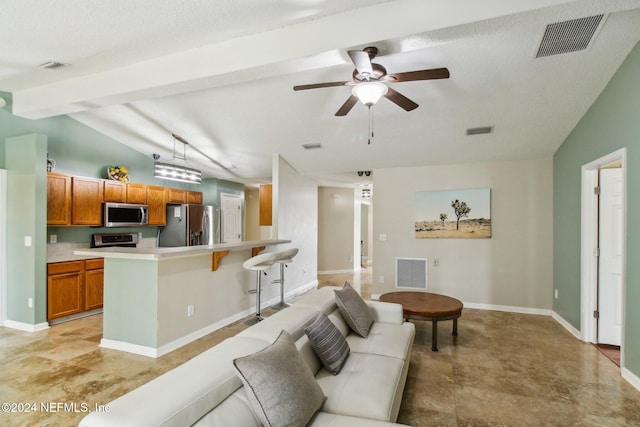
(589,239)
(3,246)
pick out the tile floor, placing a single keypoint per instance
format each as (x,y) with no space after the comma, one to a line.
(503,369)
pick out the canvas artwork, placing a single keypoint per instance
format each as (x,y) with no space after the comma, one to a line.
(462,213)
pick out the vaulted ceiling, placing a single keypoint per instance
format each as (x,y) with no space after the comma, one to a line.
(220,74)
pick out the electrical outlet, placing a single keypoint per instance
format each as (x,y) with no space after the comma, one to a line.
(53,238)
(555,293)
(30,302)
(139,236)
(191,310)
(27,241)
(381,279)
(383,237)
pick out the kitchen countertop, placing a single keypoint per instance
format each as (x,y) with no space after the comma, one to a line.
(146,253)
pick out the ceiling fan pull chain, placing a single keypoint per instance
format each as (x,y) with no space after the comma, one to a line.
(370,125)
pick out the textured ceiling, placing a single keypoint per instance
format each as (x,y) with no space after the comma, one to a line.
(220,74)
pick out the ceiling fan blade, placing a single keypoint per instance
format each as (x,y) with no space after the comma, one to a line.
(400,100)
(435,73)
(347,106)
(321,85)
(361,61)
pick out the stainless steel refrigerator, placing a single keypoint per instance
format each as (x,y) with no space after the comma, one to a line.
(190,225)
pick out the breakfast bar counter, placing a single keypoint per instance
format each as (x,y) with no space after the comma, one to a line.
(159,299)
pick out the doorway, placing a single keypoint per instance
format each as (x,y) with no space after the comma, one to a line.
(603,250)
(230,218)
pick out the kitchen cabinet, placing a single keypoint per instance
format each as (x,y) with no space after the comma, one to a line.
(93,283)
(74,287)
(114,191)
(156,200)
(194,197)
(176,195)
(58,199)
(86,201)
(265,205)
(136,193)
(65,289)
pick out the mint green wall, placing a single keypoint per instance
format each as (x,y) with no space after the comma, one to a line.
(26,216)
(77,150)
(611,123)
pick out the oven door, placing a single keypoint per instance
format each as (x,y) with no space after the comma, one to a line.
(125,215)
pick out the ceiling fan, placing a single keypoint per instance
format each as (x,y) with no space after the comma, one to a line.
(370,82)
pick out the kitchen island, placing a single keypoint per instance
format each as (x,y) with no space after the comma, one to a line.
(159,299)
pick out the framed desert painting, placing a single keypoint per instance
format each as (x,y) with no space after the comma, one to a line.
(464,214)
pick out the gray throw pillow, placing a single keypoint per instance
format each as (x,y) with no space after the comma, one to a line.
(354,310)
(328,343)
(280,386)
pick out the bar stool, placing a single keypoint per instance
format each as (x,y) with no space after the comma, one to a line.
(283,257)
(259,264)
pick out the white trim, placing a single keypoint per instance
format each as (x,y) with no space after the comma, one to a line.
(630,377)
(27,327)
(508,308)
(568,326)
(588,236)
(336,271)
(3,246)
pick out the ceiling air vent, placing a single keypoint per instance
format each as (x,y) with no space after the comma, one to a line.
(311,146)
(51,65)
(479,130)
(569,36)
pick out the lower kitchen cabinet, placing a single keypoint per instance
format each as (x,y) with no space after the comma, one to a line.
(74,287)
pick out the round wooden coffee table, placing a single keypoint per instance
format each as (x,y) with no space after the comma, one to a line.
(427,306)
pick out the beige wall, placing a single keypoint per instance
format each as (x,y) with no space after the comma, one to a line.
(337,232)
(295,217)
(513,268)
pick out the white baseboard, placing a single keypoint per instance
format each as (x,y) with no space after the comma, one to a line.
(336,271)
(630,377)
(508,308)
(27,327)
(129,347)
(568,326)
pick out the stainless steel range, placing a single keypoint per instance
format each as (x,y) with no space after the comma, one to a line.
(125,240)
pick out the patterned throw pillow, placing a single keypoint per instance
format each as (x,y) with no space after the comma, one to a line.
(280,386)
(328,343)
(354,310)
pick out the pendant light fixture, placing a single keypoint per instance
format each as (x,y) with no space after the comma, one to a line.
(369,93)
(176,171)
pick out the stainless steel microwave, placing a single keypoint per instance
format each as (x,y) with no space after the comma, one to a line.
(125,215)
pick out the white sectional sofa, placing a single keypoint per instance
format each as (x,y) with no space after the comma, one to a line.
(207,390)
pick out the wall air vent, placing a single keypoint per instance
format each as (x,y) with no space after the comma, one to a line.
(569,36)
(311,146)
(411,273)
(50,65)
(480,130)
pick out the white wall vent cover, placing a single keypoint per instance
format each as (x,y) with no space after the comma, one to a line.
(411,273)
(569,36)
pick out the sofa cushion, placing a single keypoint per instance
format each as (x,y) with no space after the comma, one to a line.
(385,339)
(279,385)
(328,343)
(354,310)
(369,386)
(322,299)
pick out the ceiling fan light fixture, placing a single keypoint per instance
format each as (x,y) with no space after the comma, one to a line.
(369,92)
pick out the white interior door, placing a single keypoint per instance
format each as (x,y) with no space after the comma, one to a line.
(231,218)
(611,241)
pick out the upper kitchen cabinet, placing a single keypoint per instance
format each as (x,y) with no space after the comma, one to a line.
(114,191)
(86,200)
(194,197)
(265,204)
(136,193)
(58,199)
(176,195)
(156,200)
